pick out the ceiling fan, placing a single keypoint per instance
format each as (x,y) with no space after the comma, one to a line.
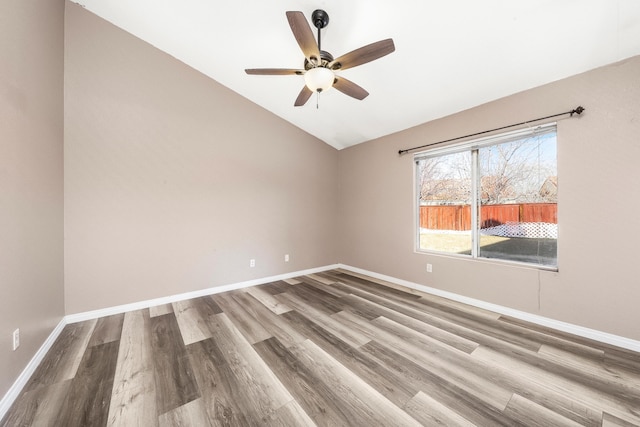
(319,65)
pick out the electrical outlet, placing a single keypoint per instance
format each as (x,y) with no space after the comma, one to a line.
(16,339)
(286,258)
(429,268)
(252,263)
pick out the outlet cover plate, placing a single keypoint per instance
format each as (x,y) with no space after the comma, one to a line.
(16,339)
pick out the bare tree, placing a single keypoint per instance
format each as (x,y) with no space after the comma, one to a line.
(445,179)
(517,171)
(514,171)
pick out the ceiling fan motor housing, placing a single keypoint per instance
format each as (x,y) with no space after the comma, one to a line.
(325,59)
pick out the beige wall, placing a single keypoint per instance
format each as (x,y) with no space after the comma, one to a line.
(598,154)
(31,213)
(173,182)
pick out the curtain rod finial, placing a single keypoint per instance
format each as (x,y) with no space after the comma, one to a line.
(577,111)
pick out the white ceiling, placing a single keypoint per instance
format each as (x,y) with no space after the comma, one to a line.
(450,55)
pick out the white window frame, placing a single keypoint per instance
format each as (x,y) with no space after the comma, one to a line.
(473,146)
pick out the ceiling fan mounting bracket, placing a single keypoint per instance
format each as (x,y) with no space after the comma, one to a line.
(320,18)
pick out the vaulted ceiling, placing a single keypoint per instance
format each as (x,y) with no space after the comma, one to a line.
(450,55)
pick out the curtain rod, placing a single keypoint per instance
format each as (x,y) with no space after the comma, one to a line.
(578,110)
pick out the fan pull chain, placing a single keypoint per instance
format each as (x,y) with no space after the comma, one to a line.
(318,100)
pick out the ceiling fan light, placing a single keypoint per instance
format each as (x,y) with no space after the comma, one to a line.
(319,79)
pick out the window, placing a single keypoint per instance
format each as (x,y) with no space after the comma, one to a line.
(493,197)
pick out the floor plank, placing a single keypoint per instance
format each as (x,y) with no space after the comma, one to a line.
(604,378)
(609,420)
(261,393)
(279,286)
(322,279)
(173,374)
(447,361)
(530,381)
(289,415)
(107,329)
(133,402)
(364,403)
(315,397)
(38,407)
(429,411)
(89,395)
(62,361)
(531,414)
(319,300)
(248,325)
(416,320)
(193,326)
(207,306)
(268,300)
(324,320)
(188,415)
(458,399)
(160,310)
(373,373)
(217,385)
(271,322)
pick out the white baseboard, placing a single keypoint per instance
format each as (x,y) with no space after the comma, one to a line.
(581,331)
(21,381)
(88,315)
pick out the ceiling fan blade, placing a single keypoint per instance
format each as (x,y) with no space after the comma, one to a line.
(363,55)
(273,71)
(350,88)
(304,35)
(303,97)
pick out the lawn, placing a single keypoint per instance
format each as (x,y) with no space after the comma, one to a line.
(530,250)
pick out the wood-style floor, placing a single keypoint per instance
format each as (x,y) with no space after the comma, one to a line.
(334,348)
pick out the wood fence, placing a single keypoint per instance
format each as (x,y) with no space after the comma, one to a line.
(458,217)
